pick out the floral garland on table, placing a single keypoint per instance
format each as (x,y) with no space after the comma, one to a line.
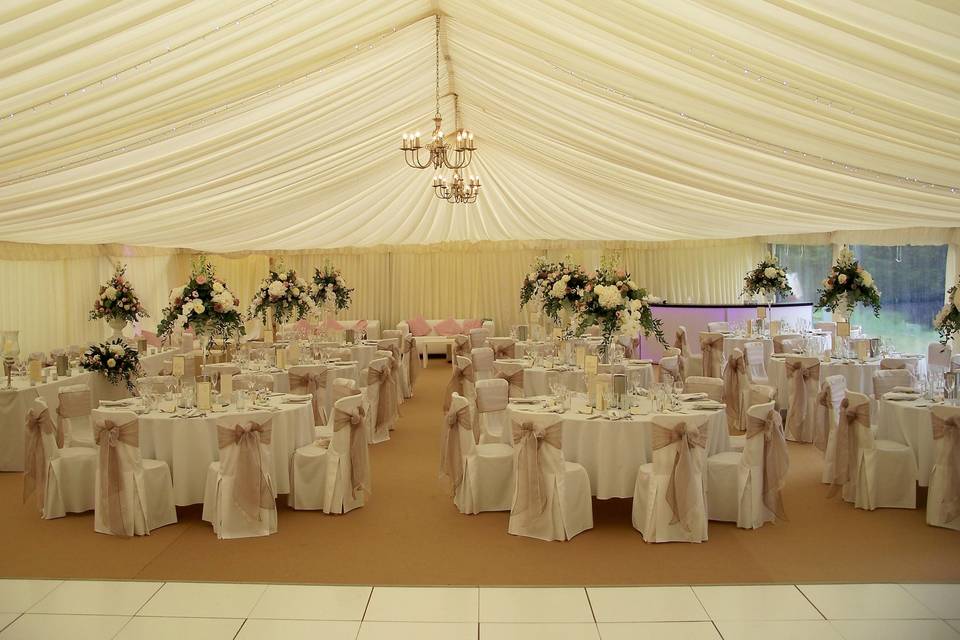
(117,361)
(328,283)
(284,292)
(947,320)
(614,302)
(847,285)
(557,286)
(766,278)
(117,300)
(205,304)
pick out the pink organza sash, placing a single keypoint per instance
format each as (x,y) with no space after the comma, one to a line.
(359,458)
(531,497)
(845,461)
(35,459)
(732,392)
(311,383)
(948,430)
(683,481)
(776,460)
(798,374)
(387,401)
(712,349)
(332,325)
(251,489)
(108,435)
(451,455)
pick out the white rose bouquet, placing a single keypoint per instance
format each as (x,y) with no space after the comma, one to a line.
(558,286)
(768,277)
(328,284)
(117,361)
(117,300)
(947,320)
(847,285)
(286,293)
(204,303)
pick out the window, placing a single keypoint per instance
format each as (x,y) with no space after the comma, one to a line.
(806,266)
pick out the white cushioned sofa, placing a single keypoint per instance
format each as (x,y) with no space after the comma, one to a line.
(434,342)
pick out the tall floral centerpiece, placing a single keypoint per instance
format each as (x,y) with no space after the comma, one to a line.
(947,320)
(116,360)
(328,289)
(768,279)
(118,303)
(556,287)
(286,293)
(205,304)
(848,285)
(614,302)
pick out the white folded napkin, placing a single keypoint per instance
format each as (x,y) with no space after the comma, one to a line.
(523,401)
(900,395)
(294,397)
(708,405)
(688,397)
(905,390)
(118,403)
(639,361)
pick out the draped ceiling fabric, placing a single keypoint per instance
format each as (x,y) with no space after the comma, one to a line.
(242,125)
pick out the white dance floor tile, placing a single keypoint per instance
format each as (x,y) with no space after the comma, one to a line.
(16,596)
(109,598)
(144,628)
(418,631)
(658,630)
(942,599)
(302,602)
(865,601)
(528,630)
(524,604)
(778,629)
(6,619)
(43,626)
(423,604)
(645,604)
(895,630)
(756,602)
(204,600)
(298,630)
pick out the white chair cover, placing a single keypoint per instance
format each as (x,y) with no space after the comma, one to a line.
(871,473)
(885,381)
(892,364)
(668,502)
(133,496)
(478,338)
(718,327)
(481,477)
(240,498)
(553,498)
(711,349)
(786,342)
(503,348)
(512,372)
(803,383)
(943,495)
(761,394)
(62,478)
(671,366)
(746,487)
(713,387)
(736,388)
(832,392)
(756,365)
(380,394)
(482,358)
(691,363)
(391,350)
(469,375)
(939,357)
(73,416)
(333,474)
(492,398)
(461,345)
(312,379)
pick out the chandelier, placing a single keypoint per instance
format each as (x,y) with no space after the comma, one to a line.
(440,153)
(457,190)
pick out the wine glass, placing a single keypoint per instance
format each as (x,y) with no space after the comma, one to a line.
(677,387)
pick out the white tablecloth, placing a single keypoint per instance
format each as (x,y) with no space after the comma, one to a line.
(189,445)
(536,380)
(612,450)
(908,422)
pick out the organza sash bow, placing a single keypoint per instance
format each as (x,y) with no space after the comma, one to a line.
(776,460)
(514,379)
(825,401)
(711,347)
(359,457)
(456,383)
(948,430)
(311,383)
(413,360)
(35,459)
(845,461)
(387,400)
(528,437)
(451,455)
(681,342)
(683,483)
(798,374)
(505,350)
(251,491)
(108,435)
(461,346)
(732,391)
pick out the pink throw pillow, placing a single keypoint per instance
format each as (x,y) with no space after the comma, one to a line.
(448,327)
(418,326)
(333,325)
(360,325)
(472,324)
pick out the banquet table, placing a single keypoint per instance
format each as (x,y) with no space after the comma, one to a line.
(189,445)
(612,451)
(908,422)
(536,380)
(281,377)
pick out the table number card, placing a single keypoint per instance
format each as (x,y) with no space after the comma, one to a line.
(591,364)
(178,366)
(581,357)
(203,394)
(774,328)
(226,385)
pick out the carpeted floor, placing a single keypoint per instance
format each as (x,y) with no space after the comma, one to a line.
(411,534)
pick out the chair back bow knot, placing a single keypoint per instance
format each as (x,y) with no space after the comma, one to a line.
(776,459)
(948,431)
(532,497)
(683,484)
(107,435)
(34,458)
(359,456)
(847,455)
(451,454)
(251,489)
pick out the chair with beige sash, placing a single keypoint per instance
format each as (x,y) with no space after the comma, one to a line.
(503,348)
(468,374)
(403,359)
(692,363)
(240,498)
(832,392)
(669,504)
(380,390)
(711,350)
(492,398)
(894,364)
(342,388)
(133,495)
(803,384)
(73,415)
(885,381)
(787,342)
(939,357)
(943,495)
(755,394)
(460,346)
(736,388)
(480,476)
(312,379)
(553,498)
(871,473)
(671,366)
(482,359)
(479,337)
(713,387)
(512,372)
(387,349)
(62,478)
(413,361)
(718,327)
(332,474)
(746,487)
(756,363)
